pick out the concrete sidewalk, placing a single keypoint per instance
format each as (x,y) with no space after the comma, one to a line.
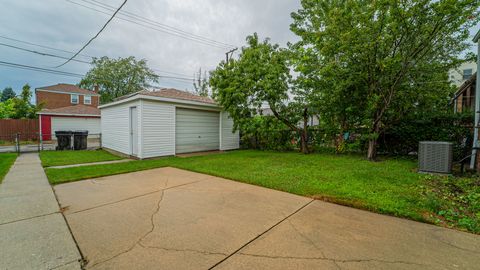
(33,232)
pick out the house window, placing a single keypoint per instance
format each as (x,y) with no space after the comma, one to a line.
(74,99)
(467,73)
(87,100)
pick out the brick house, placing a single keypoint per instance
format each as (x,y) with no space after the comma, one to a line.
(67,107)
(464,98)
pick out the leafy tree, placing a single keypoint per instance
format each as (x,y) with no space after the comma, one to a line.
(19,107)
(26,94)
(200,83)
(22,107)
(261,76)
(7,94)
(118,77)
(375,55)
(7,109)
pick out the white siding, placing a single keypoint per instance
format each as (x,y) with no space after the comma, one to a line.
(228,140)
(115,124)
(76,123)
(158,129)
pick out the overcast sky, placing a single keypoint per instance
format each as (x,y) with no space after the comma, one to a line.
(64,25)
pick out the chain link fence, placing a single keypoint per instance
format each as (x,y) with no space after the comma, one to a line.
(35,142)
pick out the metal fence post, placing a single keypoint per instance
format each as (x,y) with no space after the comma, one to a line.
(17,142)
(100,139)
(71,143)
(40,140)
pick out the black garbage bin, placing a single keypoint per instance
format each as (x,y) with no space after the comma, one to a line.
(80,139)
(63,140)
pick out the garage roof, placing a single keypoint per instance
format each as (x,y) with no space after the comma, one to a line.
(165,94)
(177,94)
(76,110)
(67,88)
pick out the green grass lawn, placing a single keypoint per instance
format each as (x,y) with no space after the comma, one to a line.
(391,186)
(6,161)
(59,158)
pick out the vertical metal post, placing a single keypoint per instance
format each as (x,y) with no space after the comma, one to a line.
(40,140)
(71,143)
(17,142)
(100,138)
(473,160)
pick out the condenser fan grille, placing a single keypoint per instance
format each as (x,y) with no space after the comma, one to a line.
(435,157)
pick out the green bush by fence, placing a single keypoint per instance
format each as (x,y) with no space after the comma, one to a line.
(266,133)
(403,137)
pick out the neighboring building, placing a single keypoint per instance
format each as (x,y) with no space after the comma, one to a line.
(461,74)
(166,122)
(464,98)
(67,107)
(64,95)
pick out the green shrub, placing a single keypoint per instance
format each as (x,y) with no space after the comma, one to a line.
(267,133)
(403,137)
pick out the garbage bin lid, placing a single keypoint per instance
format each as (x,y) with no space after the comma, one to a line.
(63,132)
(81,132)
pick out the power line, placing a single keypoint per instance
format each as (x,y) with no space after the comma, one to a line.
(52,71)
(156,25)
(41,53)
(147,23)
(124,12)
(42,46)
(59,72)
(104,26)
(39,69)
(65,51)
(58,56)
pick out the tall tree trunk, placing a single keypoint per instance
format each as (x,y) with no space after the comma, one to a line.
(372,149)
(304,142)
(372,143)
(304,133)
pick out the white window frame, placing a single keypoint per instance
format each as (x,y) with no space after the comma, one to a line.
(71,98)
(85,98)
(467,75)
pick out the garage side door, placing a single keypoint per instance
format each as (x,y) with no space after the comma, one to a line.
(196,130)
(76,123)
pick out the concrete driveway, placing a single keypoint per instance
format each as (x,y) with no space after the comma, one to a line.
(174,219)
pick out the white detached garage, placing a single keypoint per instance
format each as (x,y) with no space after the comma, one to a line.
(77,117)
(166,122)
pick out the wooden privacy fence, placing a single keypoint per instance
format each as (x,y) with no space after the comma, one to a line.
(27,128)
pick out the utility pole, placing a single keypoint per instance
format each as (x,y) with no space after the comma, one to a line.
(230,53)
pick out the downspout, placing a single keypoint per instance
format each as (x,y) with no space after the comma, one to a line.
(476,39)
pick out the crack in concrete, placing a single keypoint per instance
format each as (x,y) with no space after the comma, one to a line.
(311,242)
(306,238)
(331,259)
(183,250)
(455,246)
(131,198)
(139,241)
(141,238)
(152,217)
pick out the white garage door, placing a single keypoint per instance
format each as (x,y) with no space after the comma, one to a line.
(196,130)
(77,123)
